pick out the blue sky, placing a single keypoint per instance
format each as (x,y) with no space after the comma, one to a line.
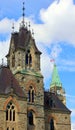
(53,22)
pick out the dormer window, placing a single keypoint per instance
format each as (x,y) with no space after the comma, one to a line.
(52,103)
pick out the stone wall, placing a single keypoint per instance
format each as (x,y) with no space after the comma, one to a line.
(61,120)
(20,122)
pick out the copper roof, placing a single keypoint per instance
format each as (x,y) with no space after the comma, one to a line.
(51,101)
(55,78)
(8,83)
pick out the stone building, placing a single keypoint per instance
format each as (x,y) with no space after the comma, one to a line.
(24,104)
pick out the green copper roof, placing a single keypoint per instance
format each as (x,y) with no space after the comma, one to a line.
(55,78)
(29,72)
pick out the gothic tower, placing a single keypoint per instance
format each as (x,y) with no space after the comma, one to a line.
(56,85)
(24,61)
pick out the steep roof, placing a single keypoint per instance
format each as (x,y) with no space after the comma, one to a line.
(51,101)
(22,39)
(8,83)
(55,78)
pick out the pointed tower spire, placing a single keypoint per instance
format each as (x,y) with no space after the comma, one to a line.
(56,85)
(23,22)
(32,33)
(55,78)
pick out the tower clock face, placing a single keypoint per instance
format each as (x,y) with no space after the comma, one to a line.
(58,91)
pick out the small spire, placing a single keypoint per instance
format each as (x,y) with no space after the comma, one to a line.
(29,25)
(26,24)
(13,28)
(23,22)
(32,33)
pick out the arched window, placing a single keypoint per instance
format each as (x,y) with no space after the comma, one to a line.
(31,94)
(6,114)
(51,124)
(10,112)
(30,118)
(7,128)
(28,59)
(29,98)
(13,115)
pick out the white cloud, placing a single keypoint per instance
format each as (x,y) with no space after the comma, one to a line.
(73,112)
(5,26)
(58,22)
(4,46)
(67,65)
(73,126)
(55,51)
(73,121)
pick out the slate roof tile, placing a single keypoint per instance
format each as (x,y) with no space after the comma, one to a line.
(8,82)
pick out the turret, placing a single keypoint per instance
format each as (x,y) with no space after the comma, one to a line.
(23,53)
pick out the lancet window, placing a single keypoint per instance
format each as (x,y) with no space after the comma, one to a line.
(28,58)
(51,124)
(31,94)
(10,112)
(30,118)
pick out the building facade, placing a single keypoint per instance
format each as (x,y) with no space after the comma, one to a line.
(24,104)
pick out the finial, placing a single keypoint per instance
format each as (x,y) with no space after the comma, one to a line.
(29,25)
(26,24)
(13,28)
(32,32)
(23,22)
